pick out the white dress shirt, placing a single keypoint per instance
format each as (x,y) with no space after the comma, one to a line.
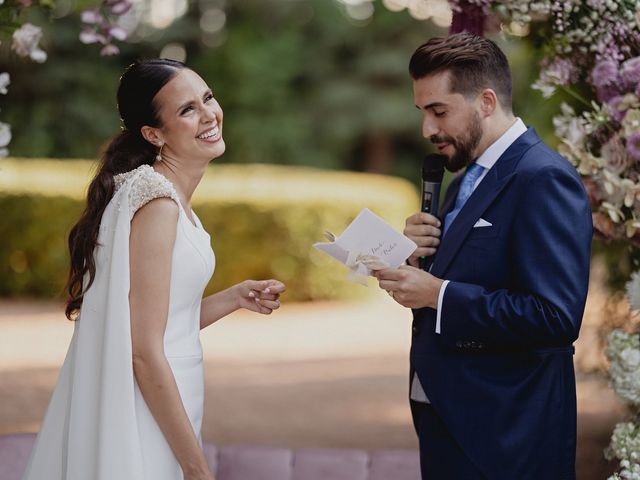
(487,160)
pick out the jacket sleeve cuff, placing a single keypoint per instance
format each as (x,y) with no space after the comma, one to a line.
(440,300)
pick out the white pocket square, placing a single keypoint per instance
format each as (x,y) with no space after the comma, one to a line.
(482,223)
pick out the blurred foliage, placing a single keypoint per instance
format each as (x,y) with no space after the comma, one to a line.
(300,82)
(262,220)
(620,260)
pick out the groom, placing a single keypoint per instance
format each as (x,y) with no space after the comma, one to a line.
(492,382)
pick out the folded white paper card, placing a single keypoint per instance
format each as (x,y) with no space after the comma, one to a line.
(368,243)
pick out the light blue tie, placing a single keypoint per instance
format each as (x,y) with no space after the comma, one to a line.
(466,189)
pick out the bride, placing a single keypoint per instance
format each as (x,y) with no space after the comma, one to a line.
(130,397)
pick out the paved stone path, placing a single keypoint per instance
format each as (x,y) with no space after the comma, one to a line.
(320,374)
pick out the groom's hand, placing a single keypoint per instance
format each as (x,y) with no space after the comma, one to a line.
(424,230)
(410,287)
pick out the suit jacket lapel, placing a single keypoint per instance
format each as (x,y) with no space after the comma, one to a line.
(496,179)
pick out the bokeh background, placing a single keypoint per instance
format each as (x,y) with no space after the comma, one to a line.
(319,123)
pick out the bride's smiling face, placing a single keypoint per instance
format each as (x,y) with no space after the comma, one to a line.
(191,119)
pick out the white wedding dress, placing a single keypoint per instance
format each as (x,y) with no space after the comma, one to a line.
(97,425)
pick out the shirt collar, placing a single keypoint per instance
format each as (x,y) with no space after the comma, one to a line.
(491,155)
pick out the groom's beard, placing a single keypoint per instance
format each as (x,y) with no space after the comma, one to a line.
(464,146)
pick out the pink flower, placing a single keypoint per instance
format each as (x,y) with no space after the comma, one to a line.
(615,155)
(593,191)
(109,49)
(120,7)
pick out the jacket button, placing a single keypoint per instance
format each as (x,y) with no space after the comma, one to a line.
(415,330)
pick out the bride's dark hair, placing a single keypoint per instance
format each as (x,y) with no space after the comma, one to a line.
(138,87)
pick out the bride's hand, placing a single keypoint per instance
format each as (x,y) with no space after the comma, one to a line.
(262,296)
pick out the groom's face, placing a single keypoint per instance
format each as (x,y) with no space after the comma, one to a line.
(450,121)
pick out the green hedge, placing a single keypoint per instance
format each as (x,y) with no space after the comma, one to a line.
(262,220)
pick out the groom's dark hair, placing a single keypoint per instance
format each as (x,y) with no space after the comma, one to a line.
(473,63)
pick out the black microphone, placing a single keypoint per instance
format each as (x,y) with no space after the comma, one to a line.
(432,173)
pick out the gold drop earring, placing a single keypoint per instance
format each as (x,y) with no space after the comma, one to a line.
(159,155)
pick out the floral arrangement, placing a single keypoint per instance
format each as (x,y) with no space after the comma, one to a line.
(625,446)
(623,352)
(100,26)
(624,355)
(592,53)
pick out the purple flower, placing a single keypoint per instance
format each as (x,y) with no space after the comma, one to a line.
(631,71)
(605,73)
(614,107)
(120,7)
(607,92)
(633,146)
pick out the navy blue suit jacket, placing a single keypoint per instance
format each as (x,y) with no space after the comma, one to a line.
(500,373)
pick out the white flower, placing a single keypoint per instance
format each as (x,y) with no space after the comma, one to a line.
(624,371)
(5,134)
(633,291)
(118,33)
(570,128)
(5,80)
(630,358)
(91,16)
(547,89)
(25,42)
(89,35)
(631,122)
(619,191)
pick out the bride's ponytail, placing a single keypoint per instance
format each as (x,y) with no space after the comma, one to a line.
(126,151)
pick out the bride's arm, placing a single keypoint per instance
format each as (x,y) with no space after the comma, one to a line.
(153,232)
(258,296)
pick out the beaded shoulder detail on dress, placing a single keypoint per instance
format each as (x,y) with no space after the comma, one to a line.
(146,185)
